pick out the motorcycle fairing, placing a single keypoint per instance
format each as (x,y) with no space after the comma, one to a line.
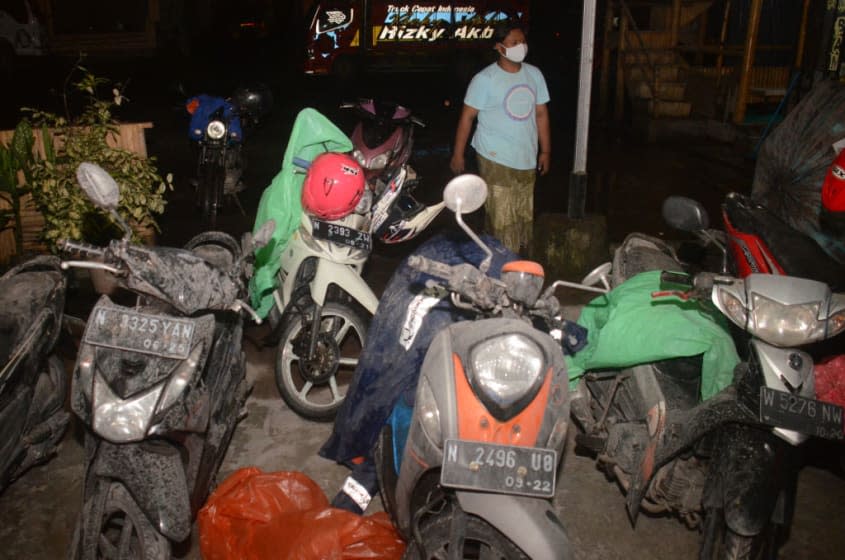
(762,243)
(203,108)
(199,285)
(155,476)
(33,296)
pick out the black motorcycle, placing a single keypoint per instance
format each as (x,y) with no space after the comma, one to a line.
(159,386)
(33,383)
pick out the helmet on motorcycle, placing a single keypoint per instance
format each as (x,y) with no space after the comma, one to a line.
(832,215)
(524,280)
(333,186)
(253,101)
(403,218)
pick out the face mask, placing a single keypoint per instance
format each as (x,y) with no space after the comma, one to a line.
(516,53)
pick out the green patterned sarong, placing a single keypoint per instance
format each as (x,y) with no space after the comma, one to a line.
(510,204)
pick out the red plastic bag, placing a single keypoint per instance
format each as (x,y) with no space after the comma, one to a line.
(285,515)
(830,380)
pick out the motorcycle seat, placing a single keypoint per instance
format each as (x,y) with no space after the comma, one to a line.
(22,296)
(798,254)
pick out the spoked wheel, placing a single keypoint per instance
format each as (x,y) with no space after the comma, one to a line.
(315,388)
(720,543)
(121,530)
(211,191)
(481,541)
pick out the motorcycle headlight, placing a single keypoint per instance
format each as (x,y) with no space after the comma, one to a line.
(428,413)
(505,372)
(785,325)
(216,130)
(119,420)
(379,162)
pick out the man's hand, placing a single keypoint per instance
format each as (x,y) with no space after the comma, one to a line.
(543,162)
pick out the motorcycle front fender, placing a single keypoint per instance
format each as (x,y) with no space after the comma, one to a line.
(155,478)
(347,279)
(530,523)
(747,478)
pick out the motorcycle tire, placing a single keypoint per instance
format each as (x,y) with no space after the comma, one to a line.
(327,375)
(481,540)
(123,530)
(211,177)
(720,543)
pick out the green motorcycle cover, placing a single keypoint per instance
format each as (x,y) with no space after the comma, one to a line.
(312,135)
(628,327)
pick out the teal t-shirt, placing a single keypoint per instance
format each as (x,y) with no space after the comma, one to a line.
(507,121)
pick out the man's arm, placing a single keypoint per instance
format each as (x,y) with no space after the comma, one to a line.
(544,158)
(468,115)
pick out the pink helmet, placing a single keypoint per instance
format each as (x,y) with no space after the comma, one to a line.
(333,186)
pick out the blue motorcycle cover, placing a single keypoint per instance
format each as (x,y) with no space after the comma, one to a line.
(401,330)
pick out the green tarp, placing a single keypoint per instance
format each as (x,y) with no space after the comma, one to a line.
(312,135)
(628,327)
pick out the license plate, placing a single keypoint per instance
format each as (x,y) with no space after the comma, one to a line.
(507,469)
(125,329)
(809,416)
(341,234)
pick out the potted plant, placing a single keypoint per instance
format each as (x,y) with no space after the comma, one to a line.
(90,136)
(15,159)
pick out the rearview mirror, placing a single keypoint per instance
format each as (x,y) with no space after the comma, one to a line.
(98,185)
(685,214)
(465,193)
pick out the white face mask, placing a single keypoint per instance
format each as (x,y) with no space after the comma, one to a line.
(516,53)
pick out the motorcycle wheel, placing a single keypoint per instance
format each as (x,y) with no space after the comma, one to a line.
(315,388)
(211,191)
(720,543)
(481,540)
(123,531)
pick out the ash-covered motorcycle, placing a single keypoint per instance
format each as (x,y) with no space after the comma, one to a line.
(33,383)
(159,385)
(468,471)
(725,459)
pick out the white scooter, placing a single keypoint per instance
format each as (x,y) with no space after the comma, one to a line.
(323,305)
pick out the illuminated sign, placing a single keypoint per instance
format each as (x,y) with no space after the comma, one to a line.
(435,22)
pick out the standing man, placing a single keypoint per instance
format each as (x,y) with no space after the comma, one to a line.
(510,98)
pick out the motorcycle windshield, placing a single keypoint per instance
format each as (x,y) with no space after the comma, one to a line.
(312,135)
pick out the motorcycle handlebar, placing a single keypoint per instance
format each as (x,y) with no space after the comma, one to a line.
(86,250)
(434,268)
